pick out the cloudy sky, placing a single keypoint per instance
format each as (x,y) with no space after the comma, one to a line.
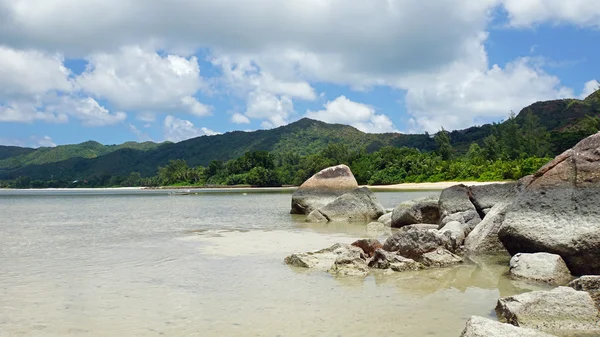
(114,70)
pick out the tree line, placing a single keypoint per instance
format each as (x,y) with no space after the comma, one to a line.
(509,152)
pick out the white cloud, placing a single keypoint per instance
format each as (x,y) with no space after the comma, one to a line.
(238,118)
(146,116)
(275,110)
(138,79)
(361,116)
(27,73)
(44,141)
(33,141)
(471,93)
(525,13)
(57,109)
(589,88)
(176,129)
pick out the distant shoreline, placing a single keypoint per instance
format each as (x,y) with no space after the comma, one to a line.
(377,188)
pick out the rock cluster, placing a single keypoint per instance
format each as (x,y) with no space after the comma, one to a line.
(548,222)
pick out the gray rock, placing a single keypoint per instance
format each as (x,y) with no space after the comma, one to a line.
(386,260)
(455,232)
(419,226)
(586,283)
(324,259)
(455,205)
(562,311)
(483,239)
(386,219)
(322,188)
(484,327)
(418,211)
(558,210)
(484,197)
(540,267)
(440,258)
(316,216)
(349,265)
(359,205)
(589,283)
(415,242)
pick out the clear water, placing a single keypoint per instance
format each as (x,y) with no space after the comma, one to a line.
(142,263)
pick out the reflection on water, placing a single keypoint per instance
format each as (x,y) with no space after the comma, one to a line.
(211,265)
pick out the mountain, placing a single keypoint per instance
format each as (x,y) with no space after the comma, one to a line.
(303,137)
(567,120)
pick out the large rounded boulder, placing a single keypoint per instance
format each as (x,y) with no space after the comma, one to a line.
(558,211)
(323,188)
(358,205)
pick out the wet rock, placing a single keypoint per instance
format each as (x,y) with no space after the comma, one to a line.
(359,205)
(368,246)
(562,311)
(483,239)
(414,212)
(322,188)
(540,267)
(415,242)
(455,205)
(440,258)
(386,219)
(558,210)
(386,260)
(323,259)
(484,327)
(484,197)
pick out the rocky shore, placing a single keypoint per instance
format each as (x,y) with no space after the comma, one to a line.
(549,223)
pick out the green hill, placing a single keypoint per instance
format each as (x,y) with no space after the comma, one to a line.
(567,120)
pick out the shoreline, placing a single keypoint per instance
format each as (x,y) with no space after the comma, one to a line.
(377,188)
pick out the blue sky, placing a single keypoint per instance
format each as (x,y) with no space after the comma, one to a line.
(150,71)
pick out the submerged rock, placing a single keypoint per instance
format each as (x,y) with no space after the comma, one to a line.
(316,216)
(540,267)
(483,239)
(455,205)
(323,259)
(484,327)
(414,212)
(562,311)
(558,210)
(322,188)
(377,228)
(358,205)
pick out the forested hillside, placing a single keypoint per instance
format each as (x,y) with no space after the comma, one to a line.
(291,153)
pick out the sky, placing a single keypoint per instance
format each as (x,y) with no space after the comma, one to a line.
(155,70)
